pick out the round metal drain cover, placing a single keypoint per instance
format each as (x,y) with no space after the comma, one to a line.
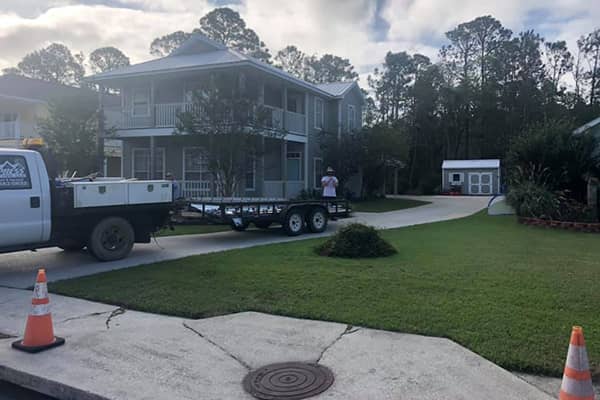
(288,381)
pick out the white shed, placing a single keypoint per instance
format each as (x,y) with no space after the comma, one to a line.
(473,177)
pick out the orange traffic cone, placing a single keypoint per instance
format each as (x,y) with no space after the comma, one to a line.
(39,333)
(577,380)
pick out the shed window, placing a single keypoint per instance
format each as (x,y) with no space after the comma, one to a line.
(456,177)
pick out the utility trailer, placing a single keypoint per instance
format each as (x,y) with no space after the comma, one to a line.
(296,216)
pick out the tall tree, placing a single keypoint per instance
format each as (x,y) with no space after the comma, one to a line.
(107,58)
(330,68)
(293,60)
(591,52)
(391,85)
(558,61)
(227,26)
(54,63)
(164,45)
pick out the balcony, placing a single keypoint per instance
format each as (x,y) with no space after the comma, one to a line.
(8,129)
(165,116)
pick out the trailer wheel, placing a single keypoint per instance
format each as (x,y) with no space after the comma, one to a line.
(317,220)
(262,224)
(294,223)
(111,239)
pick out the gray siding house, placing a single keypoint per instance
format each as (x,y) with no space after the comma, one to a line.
(154,92)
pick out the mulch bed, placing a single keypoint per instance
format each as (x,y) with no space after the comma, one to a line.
(592,227)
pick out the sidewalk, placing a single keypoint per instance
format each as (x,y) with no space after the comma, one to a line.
(113,353)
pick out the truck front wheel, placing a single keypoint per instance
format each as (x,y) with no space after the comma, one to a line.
(111,239)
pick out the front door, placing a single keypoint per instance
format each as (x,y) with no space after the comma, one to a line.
(480,183)
(21,219)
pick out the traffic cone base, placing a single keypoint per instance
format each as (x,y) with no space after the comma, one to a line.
(577,382)
(39,333)
(58,341)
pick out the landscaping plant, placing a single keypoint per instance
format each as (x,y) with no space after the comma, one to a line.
(356,241)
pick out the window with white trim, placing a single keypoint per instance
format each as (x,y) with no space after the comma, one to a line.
(294,166)
(351,117)
(319,113)
(8,125)
(250,177)
(140,102)
(317,171)
(455,178)
(195,164)
(140,163)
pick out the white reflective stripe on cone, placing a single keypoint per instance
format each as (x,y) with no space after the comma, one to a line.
(40,291)
(577,358)
(40,309)
(577,388)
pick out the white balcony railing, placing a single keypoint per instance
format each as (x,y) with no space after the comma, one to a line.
(166,114)
(8,130)
(195,189)
(295,122)
(274,117)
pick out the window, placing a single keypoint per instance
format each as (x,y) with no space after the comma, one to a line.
(318,171)
(456,178)
(140,102)
(318,113)
(8,125)
(250,178)
(294,166)
(140,159)
(351,118)
(195,164)
(14,173)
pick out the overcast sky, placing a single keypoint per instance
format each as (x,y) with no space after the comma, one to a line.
(361,30)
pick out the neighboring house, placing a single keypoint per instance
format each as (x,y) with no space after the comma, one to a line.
(23,101)
(592,127)
(154,92)
(473,177)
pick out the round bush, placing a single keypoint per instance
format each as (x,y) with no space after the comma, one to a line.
(356,241)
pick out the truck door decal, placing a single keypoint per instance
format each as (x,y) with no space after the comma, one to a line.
(14,173)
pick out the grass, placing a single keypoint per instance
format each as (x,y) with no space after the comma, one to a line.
(193,229)
(506,291)
(386,204)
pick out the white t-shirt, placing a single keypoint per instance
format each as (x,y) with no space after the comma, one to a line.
(330,183)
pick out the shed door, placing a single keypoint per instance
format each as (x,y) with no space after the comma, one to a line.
(480,183)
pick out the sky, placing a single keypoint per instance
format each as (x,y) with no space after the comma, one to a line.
(361,30)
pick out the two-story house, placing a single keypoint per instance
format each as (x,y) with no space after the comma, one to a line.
(24,101)
(153,94)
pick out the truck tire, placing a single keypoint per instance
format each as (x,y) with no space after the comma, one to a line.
(317,220)
(71,244)
(111,239)
(294,223)
(239,228)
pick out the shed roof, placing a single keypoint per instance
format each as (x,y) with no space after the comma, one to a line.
(587,126)
(470,164)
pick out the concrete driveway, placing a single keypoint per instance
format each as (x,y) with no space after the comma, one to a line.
(17,270)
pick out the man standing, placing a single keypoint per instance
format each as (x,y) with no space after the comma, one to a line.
(329,183)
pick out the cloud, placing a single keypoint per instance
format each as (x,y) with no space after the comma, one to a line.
(361,30)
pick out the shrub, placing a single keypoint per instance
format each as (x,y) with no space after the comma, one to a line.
(356,241)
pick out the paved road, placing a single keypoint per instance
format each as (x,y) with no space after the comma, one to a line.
(17,270)
(8,391)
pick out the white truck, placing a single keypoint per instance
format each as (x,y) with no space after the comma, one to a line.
(105,215)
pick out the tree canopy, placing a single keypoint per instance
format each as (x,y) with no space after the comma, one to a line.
(107,58)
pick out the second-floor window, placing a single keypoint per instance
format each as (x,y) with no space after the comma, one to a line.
(8,125)
(351,118)
(140,102)
(318,113)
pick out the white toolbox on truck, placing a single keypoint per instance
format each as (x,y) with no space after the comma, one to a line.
(120,192)
(144,192)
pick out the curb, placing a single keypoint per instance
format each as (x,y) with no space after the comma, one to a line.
(588,227)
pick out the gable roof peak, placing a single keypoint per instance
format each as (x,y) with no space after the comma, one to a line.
(196,44)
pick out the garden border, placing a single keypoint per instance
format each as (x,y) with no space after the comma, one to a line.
(590,227)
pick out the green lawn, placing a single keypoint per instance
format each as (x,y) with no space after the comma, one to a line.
(193,229)
(508,292)
(383,205)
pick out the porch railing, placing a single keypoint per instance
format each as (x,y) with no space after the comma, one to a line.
(195,189)
(295,122)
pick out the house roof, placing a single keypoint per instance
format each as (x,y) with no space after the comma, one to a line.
(200,52)
(587,126)
(21,88)
(470,164)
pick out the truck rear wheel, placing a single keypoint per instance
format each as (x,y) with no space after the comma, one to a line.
(111,239)
(317,220)
(294,223)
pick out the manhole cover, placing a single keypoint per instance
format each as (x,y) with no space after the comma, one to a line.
(288,381)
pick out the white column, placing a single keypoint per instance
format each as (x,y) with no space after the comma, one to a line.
(152,106)
(285,106)
(306,146)
(152,158)
(284,167)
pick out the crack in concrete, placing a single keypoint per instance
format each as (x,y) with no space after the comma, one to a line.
(239,360)
(94,314)
(114,313)
(349,330)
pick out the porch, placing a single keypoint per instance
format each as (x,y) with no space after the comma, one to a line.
(280,171)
